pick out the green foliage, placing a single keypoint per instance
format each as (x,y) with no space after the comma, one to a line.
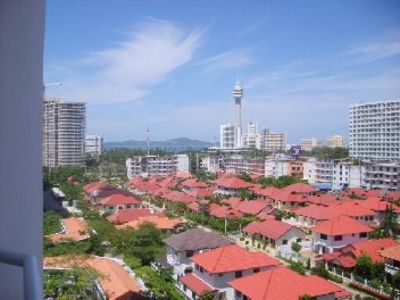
(74,283)
(245,176)
(305,297)
(388,227)
(245,194)
(132,261)
(325,153)
(280,182)
(51,222)
(296,247)
(366,268)
(204,176)
(324,273)
(298,267)
(207,296)
(147,243)
(161,287)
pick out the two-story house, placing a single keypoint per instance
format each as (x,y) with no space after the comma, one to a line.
(215,268)
(117,202)
(338,232)
(182,246)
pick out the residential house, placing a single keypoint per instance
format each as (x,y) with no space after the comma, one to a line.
(118,202)
(391,258)
(231,185)
(182,246)
(272,232)
(214,269)
(337,233)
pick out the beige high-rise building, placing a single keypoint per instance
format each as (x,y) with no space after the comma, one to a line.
(310,143)
(63,141)
(272,141)
(336,141)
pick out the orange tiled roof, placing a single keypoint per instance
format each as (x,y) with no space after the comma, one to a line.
(341,226)
(118,199)
(160,222)
(284,284)
(392,253)
(196,284)
(76,230)
(115,281)
(232,258)
(270,228)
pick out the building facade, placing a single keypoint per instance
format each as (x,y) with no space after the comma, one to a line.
(63,135)
(336,141)
(152,165)
(252,138)
(310,143)
(229,136)
(347,175)
(375,130)
(272,141)
(93,145)
(382,175)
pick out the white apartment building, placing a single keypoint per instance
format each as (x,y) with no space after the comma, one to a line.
(336,141)
(272,141)
(310,143)
(252,138)
(63,136)
(277,167)
(93,145)
(382,175)
(347,175)
(152,165)
(375,130)
(230,136)
(318,171)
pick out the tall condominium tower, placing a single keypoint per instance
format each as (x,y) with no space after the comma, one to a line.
(64,125)
(375,130)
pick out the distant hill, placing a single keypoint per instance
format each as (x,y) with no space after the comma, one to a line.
(173,145)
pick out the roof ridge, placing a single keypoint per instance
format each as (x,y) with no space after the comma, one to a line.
(268,284)
(219,256)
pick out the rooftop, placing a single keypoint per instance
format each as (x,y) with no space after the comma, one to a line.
(341,226)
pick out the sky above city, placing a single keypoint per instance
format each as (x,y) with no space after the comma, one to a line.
(171,65)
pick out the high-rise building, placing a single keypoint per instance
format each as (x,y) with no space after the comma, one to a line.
(93,145)
(228,136)
(272,141)
(310,143)
(64,125)
(335,141)
(375,130)
(252,138)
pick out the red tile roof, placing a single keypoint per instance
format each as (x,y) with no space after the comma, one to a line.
(347,256)
(223,212)
(118,199)
(288,196)
(233,202)
(392,253)
(284,284)
(200,193)
(95,186)
(126,215)
(270,228)
(232,258)
(269,192)
(300,188)
(252,207)
(75,229)
(196,284)
(117,283)
(160,222)
(316,212)
(341,226)
(233,183)
(193,183)
(374,203)
(323,199)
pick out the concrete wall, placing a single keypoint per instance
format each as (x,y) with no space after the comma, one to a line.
(332,245)
(21,88)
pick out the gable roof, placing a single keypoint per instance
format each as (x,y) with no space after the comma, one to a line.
(193,183)
(75,229)
(232,258)
(126,215)
(347,256)
(300,188)
(341,225)
(160,222)
(233,183)
(196,284)
(116,282)
(270,228)
(284,284)
(252,207)
(118,199)
(392,253)
(196,239)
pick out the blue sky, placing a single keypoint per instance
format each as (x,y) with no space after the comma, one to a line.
(171,65)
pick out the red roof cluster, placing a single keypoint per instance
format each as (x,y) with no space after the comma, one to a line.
(270,228)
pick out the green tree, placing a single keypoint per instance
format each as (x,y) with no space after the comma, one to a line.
(208,295)
(245,176)
(51,222)
(296,247)
(364,267)
(146,243)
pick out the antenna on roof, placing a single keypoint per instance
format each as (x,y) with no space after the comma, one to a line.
(148,140)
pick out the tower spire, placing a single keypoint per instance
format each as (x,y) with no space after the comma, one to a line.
(148,140)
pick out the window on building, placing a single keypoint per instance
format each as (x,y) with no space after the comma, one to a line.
(256,270)
(338,237)
(323,236)
(238,274)
(220,274)
(189,253)
(363,235)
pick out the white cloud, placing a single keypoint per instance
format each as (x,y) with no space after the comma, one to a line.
(225,61)
(375,51)
(126,71)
